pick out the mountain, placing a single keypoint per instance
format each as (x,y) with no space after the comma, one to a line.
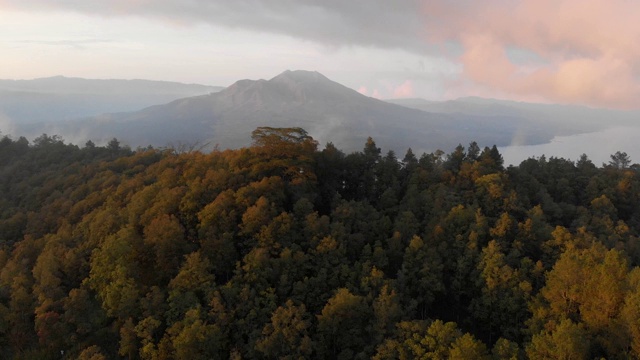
(327,110)
(63,98)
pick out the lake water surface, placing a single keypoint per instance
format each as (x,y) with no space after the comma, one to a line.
(598,146)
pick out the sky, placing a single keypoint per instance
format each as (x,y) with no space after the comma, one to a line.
(557,51)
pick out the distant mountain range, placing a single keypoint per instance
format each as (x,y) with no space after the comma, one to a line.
(62,98)
(327,110)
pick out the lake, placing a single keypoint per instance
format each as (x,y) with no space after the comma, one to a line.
(598,146)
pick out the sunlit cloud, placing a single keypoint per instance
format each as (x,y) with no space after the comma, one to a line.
(363,90)
(587,52)
(566,51)
(404,90)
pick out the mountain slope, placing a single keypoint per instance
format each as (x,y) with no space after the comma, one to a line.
(326,109)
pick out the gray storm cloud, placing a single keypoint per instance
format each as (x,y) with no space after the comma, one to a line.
(378,23)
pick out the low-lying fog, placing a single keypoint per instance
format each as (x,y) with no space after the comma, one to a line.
(597,145)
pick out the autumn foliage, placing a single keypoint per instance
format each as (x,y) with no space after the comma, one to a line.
(282,250)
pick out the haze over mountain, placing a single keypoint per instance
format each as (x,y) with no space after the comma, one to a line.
(326,109)
(62,98)
(559,119)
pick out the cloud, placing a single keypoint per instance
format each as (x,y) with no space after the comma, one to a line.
(582,52)
(77,44)
(377,23)
(7,125)
(404,90)
(570,51)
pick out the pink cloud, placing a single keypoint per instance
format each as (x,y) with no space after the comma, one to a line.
(404,90)
(374,93)
(586,52)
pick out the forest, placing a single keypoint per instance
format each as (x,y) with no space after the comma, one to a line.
(284,251)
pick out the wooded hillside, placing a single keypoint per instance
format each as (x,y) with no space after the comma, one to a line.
(281,250)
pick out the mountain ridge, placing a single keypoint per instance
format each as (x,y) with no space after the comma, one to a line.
(59,98)
(68,84)
(329,111)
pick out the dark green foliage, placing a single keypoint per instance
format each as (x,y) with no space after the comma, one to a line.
(281,251)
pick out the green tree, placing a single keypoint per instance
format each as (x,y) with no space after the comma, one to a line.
(438,340)
(388,310)
(93,352)
(567,341)
(455,159)
(166,238)
(192,286)
(114,268)
(501,308)
(343,327)
(504,349)
(420,278)
(630,313)
(287,335)
(194,338)
(467,347)
(287,152)
(620,160)
(586,286)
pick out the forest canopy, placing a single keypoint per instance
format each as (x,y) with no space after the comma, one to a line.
(282,250)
